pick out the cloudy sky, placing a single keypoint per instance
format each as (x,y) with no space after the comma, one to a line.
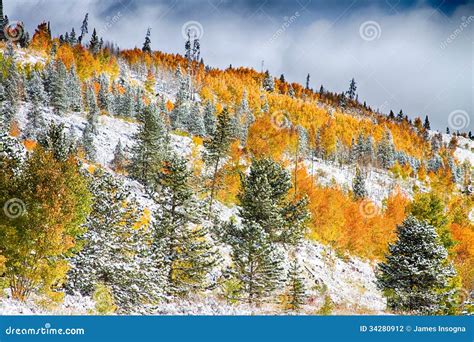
(410,55)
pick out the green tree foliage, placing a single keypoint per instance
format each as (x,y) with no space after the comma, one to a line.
(182,245)
(49,201)
(417,275)
(264,200)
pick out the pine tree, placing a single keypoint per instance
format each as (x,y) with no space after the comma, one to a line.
(216,148)
(296,289)
(400,116)
(72,37)
(57,141)
(189,255)
(264,200)
(93,110)
(195,122)
(94,44)
(102,96)
(386,151)
(11,95)
(351,93)
(147,44)
(74,91)
(35,114)
(84,28)
(257,263)
(358,185)
(209,118)
(416,274)
(119,160)
(307,81)
(58,91)
(88,142)
(268,82)
(116,250)
(427,124)
(151,144)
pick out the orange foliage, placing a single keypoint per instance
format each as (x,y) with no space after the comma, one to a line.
(29,144)
(358,227)
(464,253)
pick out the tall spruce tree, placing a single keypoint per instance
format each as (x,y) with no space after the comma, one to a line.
(116,250)
(386,151)
(351,93)
(74,91)
(256,261)
(416,275)
(179,235)
(35,114)
(216,149)
(94,44)
(147,44)
(268,82)
(296,289)
(358,185)
(209,118)
(264,200)
(57,86)
(151,145)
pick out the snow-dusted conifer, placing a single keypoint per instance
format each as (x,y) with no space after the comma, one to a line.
(116,249)
(256,261)
(416,274)
(151,144)
(189,254)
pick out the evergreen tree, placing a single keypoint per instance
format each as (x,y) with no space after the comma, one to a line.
(427,124)
(119,160)
(416,274)
(307,82)
(400,116)
(351,93)
(56,141)
(74,90)
(116,253)
(151,144)
(386,151)
(93,110)
(256,261)
(216,149)
(185,244)
(147,44)
(209,118)
(35,114)
(84,28)
(268,82)
(72,37)
(94,44)
(195,122)
(264,200)
(102,96)
(11,95)
(296,289)
(58,91)
(358,185)
(88,142)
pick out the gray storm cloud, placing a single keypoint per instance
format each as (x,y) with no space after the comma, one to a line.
(419,60)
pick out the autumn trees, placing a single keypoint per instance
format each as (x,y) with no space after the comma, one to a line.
(49,202)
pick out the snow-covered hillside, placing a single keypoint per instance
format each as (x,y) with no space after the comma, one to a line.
(345,281)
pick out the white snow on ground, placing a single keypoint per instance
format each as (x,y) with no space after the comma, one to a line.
(379,183)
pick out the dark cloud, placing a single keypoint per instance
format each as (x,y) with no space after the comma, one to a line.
(420,59)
